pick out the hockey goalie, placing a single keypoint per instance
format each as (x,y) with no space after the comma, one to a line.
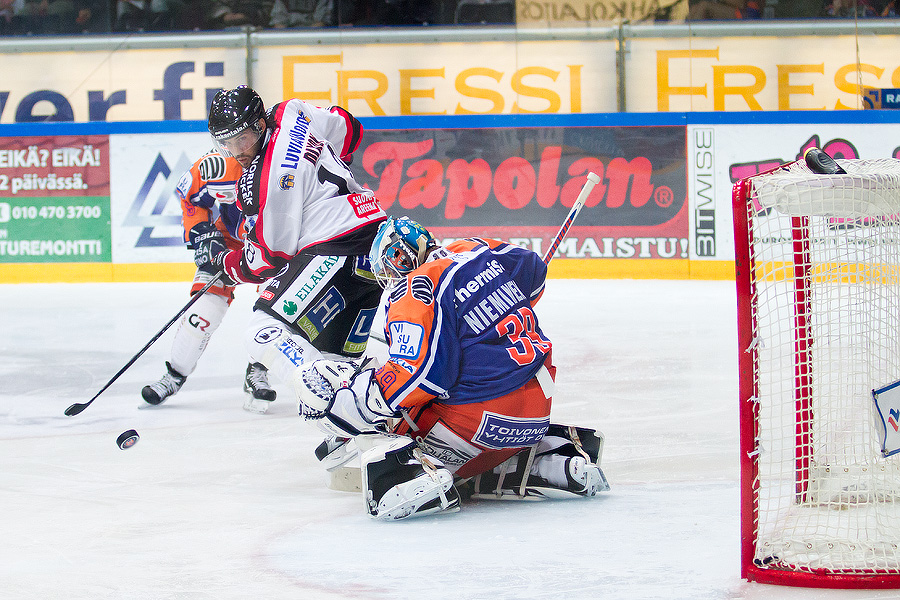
(462,405)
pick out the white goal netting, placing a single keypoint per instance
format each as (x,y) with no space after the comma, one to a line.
(824,311)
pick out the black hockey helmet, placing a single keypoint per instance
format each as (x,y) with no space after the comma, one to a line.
(237,123)
(233,111)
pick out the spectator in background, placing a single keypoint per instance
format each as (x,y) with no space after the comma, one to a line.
(143,15)
(92,17)
(851,8)
(49,16)
(890,9)
(11,12)
(302,13)
(224,14)
(721,10)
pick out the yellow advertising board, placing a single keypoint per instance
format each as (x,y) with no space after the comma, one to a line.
(771,73)
(445,79)
(513,75)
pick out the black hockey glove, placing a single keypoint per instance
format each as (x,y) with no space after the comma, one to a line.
(209,247)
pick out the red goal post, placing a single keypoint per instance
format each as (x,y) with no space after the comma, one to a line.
(817,264)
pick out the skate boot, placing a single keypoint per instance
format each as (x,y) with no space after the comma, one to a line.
(399,481)
(259,393)
(157,393)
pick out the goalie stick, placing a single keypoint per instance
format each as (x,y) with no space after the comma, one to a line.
(78,407)
(592,180)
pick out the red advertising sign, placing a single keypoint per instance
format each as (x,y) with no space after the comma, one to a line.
(519,183)
(54,199)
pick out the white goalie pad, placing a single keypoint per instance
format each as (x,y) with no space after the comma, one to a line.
(564,464)
(400,482)
(340,457)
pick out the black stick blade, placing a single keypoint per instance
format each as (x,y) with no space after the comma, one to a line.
(819,162)
(75,409)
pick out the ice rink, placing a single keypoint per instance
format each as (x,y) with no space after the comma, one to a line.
(218,503)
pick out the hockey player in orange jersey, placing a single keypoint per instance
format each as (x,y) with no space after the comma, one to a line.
(466,393)
(208,184)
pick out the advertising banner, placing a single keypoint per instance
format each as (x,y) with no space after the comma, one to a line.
(146,213)
(661,74)
(519,183)
(54,199)
(720,155)
(116,84)
(765,73)
(444,78)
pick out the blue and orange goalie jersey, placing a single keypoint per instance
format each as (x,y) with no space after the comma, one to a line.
(462,328)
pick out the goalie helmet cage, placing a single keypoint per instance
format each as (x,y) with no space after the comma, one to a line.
(817,264)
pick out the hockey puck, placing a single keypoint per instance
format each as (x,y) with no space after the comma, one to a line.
(127,439)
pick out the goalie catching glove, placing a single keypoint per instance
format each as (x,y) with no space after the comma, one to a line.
(343,398)
(209,247)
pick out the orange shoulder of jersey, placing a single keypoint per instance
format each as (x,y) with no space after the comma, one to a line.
(410,322)
(467,244)
(211,175)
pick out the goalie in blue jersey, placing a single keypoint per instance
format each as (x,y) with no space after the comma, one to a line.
(463,402)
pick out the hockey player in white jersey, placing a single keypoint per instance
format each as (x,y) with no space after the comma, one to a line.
(209,184)
(309,229)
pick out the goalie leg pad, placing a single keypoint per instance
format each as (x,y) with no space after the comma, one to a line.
(401,482)
(340,457)
(564,463)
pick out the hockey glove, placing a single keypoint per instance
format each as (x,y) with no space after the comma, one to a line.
(342,400)
(209,247)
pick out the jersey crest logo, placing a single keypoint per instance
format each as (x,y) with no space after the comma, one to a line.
(422,289)
(212,167)
(406,339)
(267,334)
(286,181)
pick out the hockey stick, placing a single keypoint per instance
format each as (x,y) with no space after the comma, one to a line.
(78,407)
(592,180)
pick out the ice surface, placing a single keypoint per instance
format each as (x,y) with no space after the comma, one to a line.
(218,503)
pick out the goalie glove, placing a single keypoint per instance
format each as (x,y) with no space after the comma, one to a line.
(209,247)
(341,397)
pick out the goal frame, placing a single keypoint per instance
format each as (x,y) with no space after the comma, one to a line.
(749,409)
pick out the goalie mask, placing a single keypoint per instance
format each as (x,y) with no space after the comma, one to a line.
(400,247)
(234,123)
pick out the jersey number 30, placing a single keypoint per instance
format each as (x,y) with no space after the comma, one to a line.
(525,341)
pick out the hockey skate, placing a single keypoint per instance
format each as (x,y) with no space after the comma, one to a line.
(259,393)
(157,393)
(401,482)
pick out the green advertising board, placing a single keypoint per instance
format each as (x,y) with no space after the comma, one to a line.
(54,199)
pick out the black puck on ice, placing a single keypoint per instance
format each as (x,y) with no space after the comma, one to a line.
(127,439)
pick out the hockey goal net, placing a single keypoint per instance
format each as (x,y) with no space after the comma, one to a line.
(818,281)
